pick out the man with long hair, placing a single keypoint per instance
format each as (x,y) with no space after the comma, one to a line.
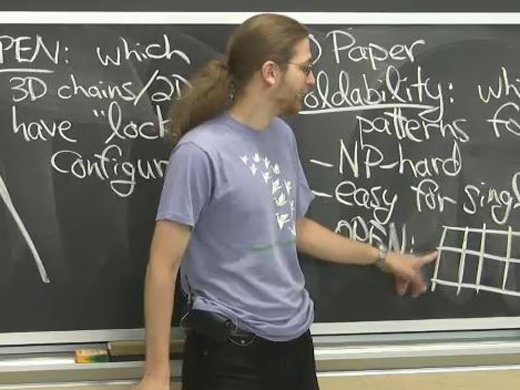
(232,211)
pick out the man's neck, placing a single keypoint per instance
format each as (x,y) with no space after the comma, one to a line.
(252,113)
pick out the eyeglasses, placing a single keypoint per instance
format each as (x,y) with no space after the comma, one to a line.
(306,69)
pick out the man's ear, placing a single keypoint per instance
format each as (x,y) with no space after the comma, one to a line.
(270,72)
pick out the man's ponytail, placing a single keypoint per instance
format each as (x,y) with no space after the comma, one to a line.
(210,95)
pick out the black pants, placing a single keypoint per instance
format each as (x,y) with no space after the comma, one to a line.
(248,364)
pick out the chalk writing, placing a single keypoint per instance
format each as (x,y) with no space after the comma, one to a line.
(6,197)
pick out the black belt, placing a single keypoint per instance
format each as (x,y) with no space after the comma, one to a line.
(215,326)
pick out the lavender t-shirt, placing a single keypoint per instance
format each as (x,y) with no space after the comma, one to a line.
(242,191)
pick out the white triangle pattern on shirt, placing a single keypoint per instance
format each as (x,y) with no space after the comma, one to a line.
(280,188)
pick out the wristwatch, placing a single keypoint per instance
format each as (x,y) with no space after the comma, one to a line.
(381,258)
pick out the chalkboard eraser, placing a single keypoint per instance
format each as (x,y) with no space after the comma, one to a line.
(91,356)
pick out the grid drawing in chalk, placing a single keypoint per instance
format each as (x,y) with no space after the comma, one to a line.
(478,259)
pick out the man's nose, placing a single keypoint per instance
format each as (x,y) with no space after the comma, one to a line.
(311,80)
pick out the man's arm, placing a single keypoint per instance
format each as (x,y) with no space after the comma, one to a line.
(321,243)
(169,243)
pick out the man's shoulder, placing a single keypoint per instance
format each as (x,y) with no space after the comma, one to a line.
(284,128)
(279,122)
(205,135)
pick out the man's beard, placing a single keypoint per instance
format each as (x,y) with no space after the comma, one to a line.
(292,105)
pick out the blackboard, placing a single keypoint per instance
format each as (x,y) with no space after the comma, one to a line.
(417,178)
(78,199)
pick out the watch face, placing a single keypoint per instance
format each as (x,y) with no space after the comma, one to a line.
(383,251)
(381,258)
